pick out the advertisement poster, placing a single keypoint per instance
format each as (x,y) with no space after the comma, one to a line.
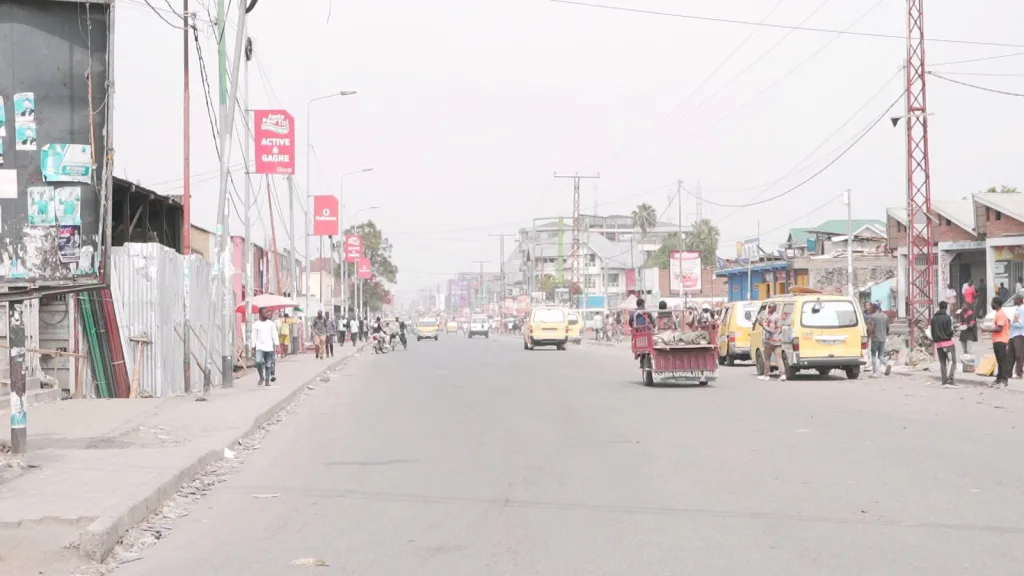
(364,269)
(325,215)
(274,136)
(24,107)
(25,136)
(66,163)
(684,271)
(69,243)
(3,119)
(1,150)
(41,206)
(353,248)
(69,206)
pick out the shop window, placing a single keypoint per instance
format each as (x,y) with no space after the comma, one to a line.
(999,215)
(988,214)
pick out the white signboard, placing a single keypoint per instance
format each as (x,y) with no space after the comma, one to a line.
(684,271)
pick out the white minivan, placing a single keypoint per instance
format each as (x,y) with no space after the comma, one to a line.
(479,326)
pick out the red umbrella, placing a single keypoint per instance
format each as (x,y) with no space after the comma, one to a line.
(269,302)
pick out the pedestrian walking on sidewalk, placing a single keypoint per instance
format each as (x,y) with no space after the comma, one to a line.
(1017,336)
(942,335)
(362,329)
(265,339)
(878,330)
(1000,330)
(969,332)
(353,329)
(342,330)
(332,331)
(319,329)
(284,330)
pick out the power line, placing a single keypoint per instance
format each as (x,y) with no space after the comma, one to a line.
(787,224)
(976,87)
(850,118)
(783,26)
(817,173)
(765,90)
(162,17)
(992,74)
(985,59)
(694,92)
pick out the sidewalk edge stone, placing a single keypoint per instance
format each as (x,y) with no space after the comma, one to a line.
(100,536)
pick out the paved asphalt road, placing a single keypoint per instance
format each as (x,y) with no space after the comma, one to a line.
(475,457)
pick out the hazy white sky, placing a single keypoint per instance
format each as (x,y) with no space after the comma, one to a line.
(467,107)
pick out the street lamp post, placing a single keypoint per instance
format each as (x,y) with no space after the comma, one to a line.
(341,226)
(309,180)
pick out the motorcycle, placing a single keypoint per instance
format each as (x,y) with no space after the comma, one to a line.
(380,345)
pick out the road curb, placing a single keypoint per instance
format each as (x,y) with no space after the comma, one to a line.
(102,534)
(962,382)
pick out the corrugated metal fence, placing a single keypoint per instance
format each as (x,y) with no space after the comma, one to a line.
(147,285)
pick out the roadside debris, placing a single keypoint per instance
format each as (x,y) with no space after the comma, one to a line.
(265,495)
(310,562)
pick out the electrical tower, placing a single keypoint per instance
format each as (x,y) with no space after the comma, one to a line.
(577,233)
(921,277)
(504,293)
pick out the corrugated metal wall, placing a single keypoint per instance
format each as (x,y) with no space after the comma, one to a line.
(147,285)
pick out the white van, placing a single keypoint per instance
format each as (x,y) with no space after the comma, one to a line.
(479,326)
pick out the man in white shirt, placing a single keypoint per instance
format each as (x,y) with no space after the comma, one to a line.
(264,341)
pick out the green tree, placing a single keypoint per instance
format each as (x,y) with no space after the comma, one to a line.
(377,248)
(704,238)
(547,285)
(645,217)
(1001,190)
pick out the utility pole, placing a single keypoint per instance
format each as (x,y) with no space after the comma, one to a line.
(16,355)
(502,264)
(679,234)
(577,232)
(920,240)
(222,268)
(849,244)
(700,203)
(480,286)
(250,291)
(293,264)
(279,287)
(186,203)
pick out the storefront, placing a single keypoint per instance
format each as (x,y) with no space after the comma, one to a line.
(960,262)
(1005,263)
(758,282)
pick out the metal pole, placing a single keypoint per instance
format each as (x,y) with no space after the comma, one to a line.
(249,290)
(849,243)
(342,235)
(308,217)
(186,210)
(679,237)
(293,268)
(16,354)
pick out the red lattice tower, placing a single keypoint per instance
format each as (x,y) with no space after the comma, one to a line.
(576,254)
(920,252)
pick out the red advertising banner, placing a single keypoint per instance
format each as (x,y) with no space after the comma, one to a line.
(364,269)
(353,248)
(325,216)
(274,133)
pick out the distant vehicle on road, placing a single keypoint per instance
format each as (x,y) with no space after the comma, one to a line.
(575,328)
(546,326)
(734,337)
(479,326)
(427,328)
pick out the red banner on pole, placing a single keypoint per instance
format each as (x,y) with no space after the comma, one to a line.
(325,216)
(364,269)
(274,133)
(353,248)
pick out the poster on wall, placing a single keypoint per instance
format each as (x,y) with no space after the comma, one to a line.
(69,243)
(69,206)
(66,163)
(8,183)
(24,107)
(3,119)
(41,210)
(25,136)
(684,271)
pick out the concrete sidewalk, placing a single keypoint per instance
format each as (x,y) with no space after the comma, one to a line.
(95,468)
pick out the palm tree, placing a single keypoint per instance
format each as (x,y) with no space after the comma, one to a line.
(644,217)
(704,237)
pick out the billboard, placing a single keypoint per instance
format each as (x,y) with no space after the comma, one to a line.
(56,143)
(364,269)
(325,216)
(274,135)
(353,248)
(458,293)
(684,271)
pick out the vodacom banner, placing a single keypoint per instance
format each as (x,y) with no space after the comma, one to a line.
(325,216)
(274,132)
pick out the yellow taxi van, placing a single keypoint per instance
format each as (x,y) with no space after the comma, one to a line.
(575,327)
(734,334)
(546,326)
(822,332)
